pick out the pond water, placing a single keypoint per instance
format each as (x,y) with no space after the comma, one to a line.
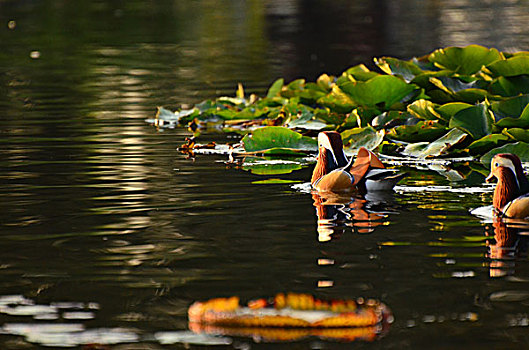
(109,233)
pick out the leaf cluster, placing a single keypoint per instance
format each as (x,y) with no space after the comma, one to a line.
(454,101)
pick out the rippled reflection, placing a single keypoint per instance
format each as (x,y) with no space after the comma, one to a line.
(510,242)
(338,213)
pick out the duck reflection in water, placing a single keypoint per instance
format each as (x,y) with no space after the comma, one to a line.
(510,242)
(360,213)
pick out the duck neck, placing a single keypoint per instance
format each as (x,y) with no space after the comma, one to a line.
(320,169)
(506,189)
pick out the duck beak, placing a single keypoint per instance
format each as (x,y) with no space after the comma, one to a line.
(490,177)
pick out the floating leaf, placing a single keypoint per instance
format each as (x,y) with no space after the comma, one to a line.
(275,88)
(271,166)
(448,110)
(516,65)
(277,140)
(486,143)
(511,86)
(366,137)
(512,112)
(422,131)
(521,149)
(517,134)
(464,60)
(406,69)
(383,90)
(437,148)
(274,182)
(337,101)
(475,120)
(424,109)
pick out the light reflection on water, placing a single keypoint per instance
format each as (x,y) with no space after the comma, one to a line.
(109,233)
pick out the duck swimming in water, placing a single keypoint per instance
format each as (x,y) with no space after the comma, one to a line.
(511,195)
(335,173)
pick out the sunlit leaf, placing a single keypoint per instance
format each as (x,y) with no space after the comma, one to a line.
(337,101)
(521,149)
(438,147)
(366,137)
(381,90)
(277,140)
(424,109)
(391,119)
(325,82)
(448,110)
(275,88)
(271,166)
(475,120)
(274,182)
(406,69)
(464,60)
(512,112)
(426,130)
(517,134)
(510,67)
(511,86)
(486,143)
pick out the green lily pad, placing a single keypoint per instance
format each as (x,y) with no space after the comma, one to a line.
(512,112)
(517,134)
(275,88)
(274,182)
(278,140)
(521,149)
(406,69)
(425,130)
(269,166)
(448,110)
(464,60)
(475,120)
(393,118)
(439,147)
(516,65)
(337,101)
(486,143)
(424,109)
(383,90)
(511,86)
(366,137)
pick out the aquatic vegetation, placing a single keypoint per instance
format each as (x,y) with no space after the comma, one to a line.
(455,101)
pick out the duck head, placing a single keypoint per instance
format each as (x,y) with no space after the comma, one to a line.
(330,154)
(507,169)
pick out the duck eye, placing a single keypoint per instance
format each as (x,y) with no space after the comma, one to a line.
(496,164)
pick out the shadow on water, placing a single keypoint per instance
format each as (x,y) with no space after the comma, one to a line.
(109,233)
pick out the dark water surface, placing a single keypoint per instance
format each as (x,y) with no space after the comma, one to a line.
(109,233)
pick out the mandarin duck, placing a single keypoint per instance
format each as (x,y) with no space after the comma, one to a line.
(511,195)
(335,173)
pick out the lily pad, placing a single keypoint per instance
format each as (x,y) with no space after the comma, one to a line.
(510,86)
(486,143)
(366,137)
(425,130)
(383,90)
(270,166)
(464,60)
(424,109)
(406,69)
(517,134)
(475,120)
(512,112)
(437,148)
(521,149)
(448,110)
(275,88)
(516,65)
(274,182)
(278,140)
